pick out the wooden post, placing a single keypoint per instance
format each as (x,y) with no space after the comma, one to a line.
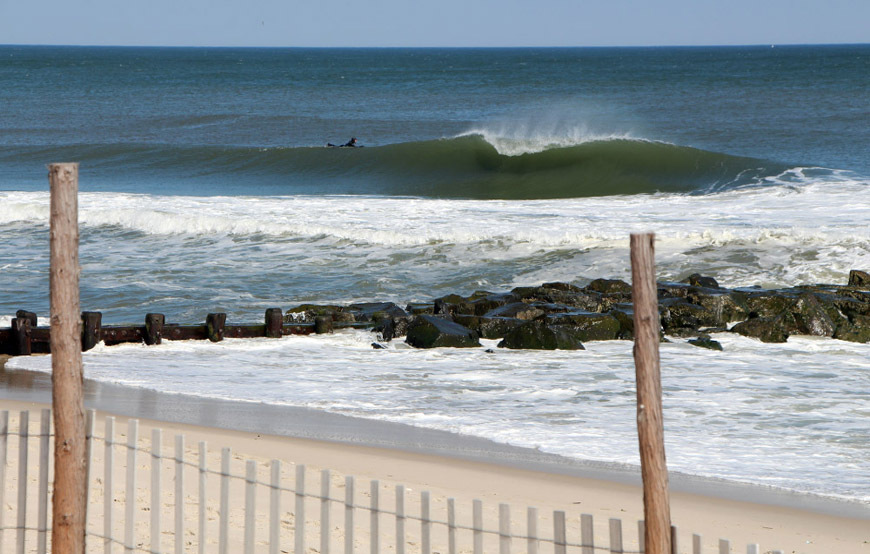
(24,314)
(650,428)
(92,323)
(21,330)
(274,323)
(215,324)
(154,328)
(323,324)
(68,513)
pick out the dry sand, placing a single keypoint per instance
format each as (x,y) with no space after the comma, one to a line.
(446,465)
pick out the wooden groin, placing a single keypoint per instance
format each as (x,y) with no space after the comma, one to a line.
(24,337)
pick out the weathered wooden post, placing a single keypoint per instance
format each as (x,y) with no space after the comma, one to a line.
(154,328)
(650,427)
(215,324)
(24,314)
(92,330)
(21,330)
(274,323)
(70,486)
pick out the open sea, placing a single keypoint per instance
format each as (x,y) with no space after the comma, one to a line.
(205,186)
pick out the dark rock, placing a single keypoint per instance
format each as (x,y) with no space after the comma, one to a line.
(378,346)
(488,327)
(765,329)
(307,313)
(609,286)
(768,303)
(698,280)
(323,324)
(624,314)
(376,311)
(706,342)
(519,310)
(857,330)
(807,317)
(489,302)
(428,331)
(722,305)
(420,308)
(678,313)
(489,351)
(586,326)
(537,335)
(859,279)
(561,293)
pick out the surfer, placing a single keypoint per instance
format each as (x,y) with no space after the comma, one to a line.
(349,144)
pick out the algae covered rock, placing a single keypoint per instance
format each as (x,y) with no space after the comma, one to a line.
(428,331)
(537,335)
(859,279)
(705,341)
(766,329)
(586,326)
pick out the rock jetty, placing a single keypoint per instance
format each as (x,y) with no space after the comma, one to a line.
(564,316)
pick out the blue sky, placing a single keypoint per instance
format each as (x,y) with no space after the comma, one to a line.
(433,23)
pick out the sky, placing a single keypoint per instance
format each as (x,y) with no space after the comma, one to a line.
(367,23)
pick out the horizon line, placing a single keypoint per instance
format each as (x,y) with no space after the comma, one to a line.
(442,47)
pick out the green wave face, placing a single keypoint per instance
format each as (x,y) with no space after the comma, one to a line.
(461,167)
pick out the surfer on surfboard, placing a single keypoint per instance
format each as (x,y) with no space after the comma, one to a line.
(349,144)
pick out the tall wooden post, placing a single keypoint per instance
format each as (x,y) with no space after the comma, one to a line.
(650,427)
(68,527)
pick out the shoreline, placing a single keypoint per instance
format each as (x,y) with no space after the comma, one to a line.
(307,424)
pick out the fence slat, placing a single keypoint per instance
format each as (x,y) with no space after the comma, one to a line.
(724,547)
(108,483)
(696,544)
(560,538)
(374,520)
(324,511)
(156,487)
(299,525)
(504,529)
(674,542)
(275,509)
(532,530)
(587,534)
(425,524)
(477,525)
(4,438)
(400,519)
(751,549)
(42,526)
(23,426)
(348,514)
(641,536)
(90,424)
(200,528)
(250,504)
(179,494)
(224,521)
(130,499)
(451,525)
(615,536)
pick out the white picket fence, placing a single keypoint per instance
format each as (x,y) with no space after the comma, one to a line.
(134,507)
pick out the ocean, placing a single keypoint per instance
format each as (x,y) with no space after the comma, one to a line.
(205,185)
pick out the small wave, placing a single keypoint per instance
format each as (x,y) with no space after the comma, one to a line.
(474,166)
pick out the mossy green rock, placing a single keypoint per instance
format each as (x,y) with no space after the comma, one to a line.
(586,326)
(429,331)
(609,286)
(706,342)
(765,329)
(537,335)
(488,327)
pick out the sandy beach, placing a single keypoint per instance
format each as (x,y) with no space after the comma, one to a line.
(447,465)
